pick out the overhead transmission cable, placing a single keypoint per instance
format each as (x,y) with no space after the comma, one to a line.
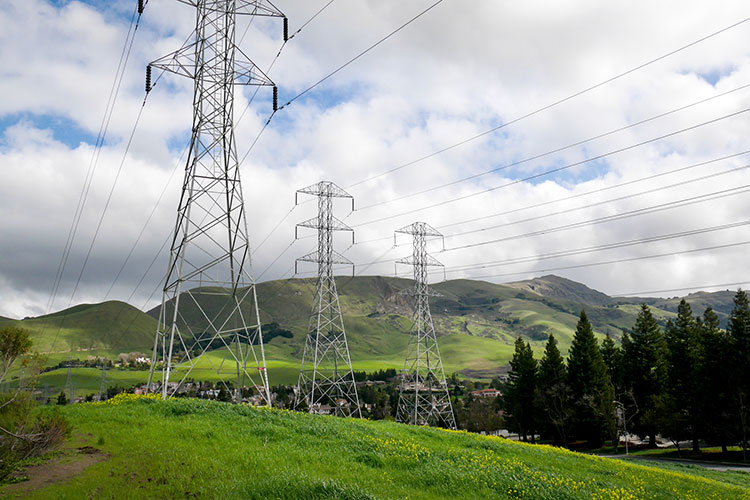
(696,287)
(554,170)
(335,71)
(574,196)
(600,220)
(609,218)
(93,163)
(557,150)
(551,105)
(594,191)
(604,202)
(615,261)
(329,75)
(596,248)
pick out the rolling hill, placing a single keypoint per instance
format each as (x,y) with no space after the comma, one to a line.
(106,328)
(477,322)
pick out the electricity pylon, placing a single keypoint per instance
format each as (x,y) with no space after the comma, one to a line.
(326,380)
(209,300)
(423,396)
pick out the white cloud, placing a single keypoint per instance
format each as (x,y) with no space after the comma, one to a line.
(462,68)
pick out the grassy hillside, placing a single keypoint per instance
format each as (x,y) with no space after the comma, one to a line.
(109,327)
(202,449)
(477,322)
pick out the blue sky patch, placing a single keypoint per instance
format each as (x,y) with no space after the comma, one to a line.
(63,129)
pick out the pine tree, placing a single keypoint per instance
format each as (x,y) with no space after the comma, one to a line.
(645,374)
(712,372)
(521,390)
(679,418)
(612,356)
(591,392)
(738,329)
(553,394)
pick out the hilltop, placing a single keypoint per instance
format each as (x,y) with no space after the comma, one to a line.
(98,328)
(477,322)
(130,445)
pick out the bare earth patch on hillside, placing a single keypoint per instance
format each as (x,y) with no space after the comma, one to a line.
(57,470)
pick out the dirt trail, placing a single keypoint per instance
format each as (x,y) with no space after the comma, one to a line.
(55,471)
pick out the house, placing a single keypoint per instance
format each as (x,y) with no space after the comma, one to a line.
(487,393)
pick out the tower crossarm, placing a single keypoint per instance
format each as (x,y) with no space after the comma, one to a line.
(426,260)
(246,7)
(317,223)
(335,258)
(189,60)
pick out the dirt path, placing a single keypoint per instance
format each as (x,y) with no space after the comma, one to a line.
(57,470)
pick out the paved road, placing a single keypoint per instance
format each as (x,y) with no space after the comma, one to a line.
(719,466)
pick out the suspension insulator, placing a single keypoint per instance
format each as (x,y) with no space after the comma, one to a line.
(140,7)
(286,29)
(275,98)
(148,78)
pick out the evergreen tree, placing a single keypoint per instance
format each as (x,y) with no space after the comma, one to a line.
(738,329)
(62,399)
(591,391)
(712,372)
(645,374)
(680,418)
(521,390)
(612,356)
(553,394)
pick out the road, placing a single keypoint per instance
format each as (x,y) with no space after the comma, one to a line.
(718,466)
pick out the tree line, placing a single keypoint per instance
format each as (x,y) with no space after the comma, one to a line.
(689,381)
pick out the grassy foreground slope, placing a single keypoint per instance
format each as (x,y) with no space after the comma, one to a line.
(204,449)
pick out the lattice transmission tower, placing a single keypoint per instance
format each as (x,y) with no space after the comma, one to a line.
(326,380)
(423,396)
(209,300)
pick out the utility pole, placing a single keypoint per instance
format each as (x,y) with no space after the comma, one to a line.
(424,398)
(69,382)
(621,413)
(326,378)
(209,299)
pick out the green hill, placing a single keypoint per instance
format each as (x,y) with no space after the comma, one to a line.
(107,328)
(143,448)
(477,322)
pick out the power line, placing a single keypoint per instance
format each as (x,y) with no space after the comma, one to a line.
(145,225)
(548,106)
(616,261)
(596,248)
(368,49)
(557,150)
(329,75)
(93,163)
(554,170)
(595,191)
(697,287)
(101,220)
(571,197)
(598,203)
(609,218)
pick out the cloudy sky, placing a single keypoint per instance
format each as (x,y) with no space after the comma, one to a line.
(660,205)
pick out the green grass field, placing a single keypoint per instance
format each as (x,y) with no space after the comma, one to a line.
(205,449)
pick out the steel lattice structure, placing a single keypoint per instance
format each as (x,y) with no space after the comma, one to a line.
(209,300)
(424,398)
(326,380)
